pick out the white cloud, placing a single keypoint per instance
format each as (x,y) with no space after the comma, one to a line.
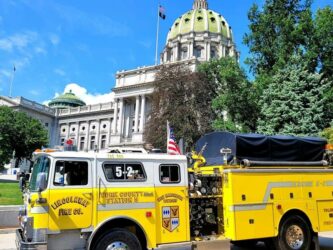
(54,39)
(34,92)
(88,98)
(99,24)
(20,63)
(146,44)
(18,41)
(40,50)
(59,72)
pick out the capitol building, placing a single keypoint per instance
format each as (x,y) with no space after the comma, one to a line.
(196,36)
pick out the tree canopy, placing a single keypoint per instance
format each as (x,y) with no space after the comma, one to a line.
(293,103)
(235,105)
(184,99)
(20,134)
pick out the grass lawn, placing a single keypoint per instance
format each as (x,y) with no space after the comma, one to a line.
(10,194)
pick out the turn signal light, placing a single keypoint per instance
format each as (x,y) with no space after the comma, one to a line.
(279,207)
(329,147)
(149,214)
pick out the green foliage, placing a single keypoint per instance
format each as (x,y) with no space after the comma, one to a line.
(19,133)
(277,31)
(328,134)
(184,99)
(235,104)
(294,101)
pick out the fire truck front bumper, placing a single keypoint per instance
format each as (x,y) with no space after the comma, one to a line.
(21,244)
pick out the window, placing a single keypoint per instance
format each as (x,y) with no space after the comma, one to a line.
(93,127)
(200,18)
(62,141)
(104,125)
(73,129)
(46,124)
(212,19)
(103,141)
(213,53)
(83,128)
(71,173)
(197,51)
(184,53)
(63,130)
(169,174)
(92,142)
(41,165)
(82,143)
(124,172)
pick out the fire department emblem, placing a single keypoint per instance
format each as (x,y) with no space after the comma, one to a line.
(170,219)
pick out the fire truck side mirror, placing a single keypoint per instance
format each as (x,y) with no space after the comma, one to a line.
(22,183)
(41,182)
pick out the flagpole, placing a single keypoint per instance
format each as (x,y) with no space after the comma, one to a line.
(157,32)
(11,82)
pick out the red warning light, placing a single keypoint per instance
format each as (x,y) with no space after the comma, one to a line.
(69,142)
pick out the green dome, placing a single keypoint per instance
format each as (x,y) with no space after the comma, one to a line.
(200,20)
(66,100)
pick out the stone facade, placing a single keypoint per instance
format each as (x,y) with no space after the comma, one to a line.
(197,36)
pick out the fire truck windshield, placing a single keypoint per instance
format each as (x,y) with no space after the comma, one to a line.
(41,165)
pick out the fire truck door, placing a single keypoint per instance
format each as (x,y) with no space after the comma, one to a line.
(172,204)
(71,195)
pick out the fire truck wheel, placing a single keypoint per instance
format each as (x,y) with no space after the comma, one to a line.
(295,234)
(118,239)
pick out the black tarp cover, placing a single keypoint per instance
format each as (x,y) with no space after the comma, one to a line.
(258,147)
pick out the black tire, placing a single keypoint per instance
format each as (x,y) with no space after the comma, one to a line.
(118,237)
(294,234)
(245,243)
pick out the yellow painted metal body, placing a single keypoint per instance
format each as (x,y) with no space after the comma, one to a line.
(255,200)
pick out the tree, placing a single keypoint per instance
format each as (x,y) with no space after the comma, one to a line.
(184,99)
(328,134)
(235,104)
(19,133)
(277,32)
(294,102)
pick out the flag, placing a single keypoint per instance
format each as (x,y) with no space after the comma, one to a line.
(161,12)
(172,147)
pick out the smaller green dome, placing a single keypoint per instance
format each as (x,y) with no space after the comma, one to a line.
(66,100)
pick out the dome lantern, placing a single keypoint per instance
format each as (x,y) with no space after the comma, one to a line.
(200,4)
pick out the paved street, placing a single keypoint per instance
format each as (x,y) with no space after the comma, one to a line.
(7,242)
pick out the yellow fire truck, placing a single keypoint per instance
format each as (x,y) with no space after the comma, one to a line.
(82,200)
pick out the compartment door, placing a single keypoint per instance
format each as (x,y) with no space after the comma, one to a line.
(71,197)
(172,208)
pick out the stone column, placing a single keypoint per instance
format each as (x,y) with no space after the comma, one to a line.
(121,116)
(208,51)
(86,143)
(77,134)
(109,133)
(136,120)
(67,134)
(98,139)
(115,117)
(143,105)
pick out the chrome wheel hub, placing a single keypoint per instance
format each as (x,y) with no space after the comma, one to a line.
(117,245)
(295,237)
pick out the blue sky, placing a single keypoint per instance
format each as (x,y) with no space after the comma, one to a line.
(54,43)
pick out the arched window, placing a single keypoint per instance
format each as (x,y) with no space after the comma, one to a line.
(213,53)
(184,53)
(197,51)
